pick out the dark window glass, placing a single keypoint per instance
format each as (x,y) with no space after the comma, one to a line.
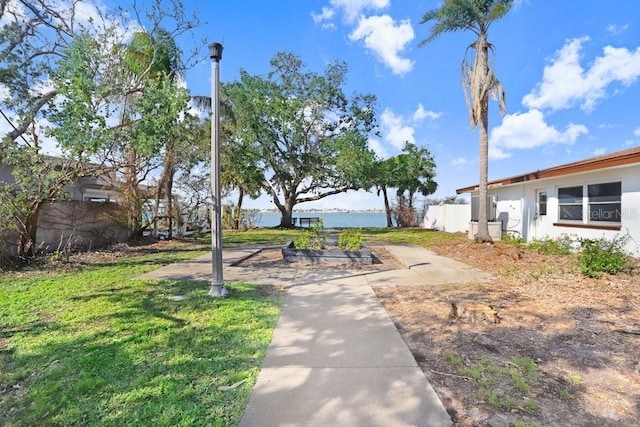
(605,212)
(570,195)
(542,202)
(570,203)
(609,192)
(605,202)
(571,212)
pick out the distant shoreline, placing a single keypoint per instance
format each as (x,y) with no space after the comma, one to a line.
(325,210)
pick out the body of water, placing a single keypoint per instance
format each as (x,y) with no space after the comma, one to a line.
(330,219)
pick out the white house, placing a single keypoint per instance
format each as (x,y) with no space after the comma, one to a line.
(592,198)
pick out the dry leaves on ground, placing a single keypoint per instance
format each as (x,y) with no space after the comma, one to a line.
(566,350)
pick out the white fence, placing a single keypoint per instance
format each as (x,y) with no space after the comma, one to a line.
(448,218)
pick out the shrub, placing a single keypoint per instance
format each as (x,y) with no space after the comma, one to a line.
(551,246)
(513,239)
(603,256)
(350,239)
(314,238)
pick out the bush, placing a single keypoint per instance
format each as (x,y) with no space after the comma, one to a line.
(513,239)
(603,256)
(314,238)
(551,246)
(350,239)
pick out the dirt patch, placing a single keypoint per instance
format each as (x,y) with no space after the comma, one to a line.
(565,350)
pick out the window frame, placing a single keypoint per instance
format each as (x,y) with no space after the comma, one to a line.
(574,203)
(608,201)
(588,200)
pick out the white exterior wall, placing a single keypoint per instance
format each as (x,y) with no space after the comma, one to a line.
(522,199)
(448,218)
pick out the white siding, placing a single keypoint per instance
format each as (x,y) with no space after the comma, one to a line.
(517,205)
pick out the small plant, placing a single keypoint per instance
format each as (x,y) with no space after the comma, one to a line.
(528,366)
(520,423)
(453,358)
(603,256)
(314,238)
(575,379)
(57,256)
(350,239)
(513,239)
(552,246)
(493,399)
(510,271)
(566,394)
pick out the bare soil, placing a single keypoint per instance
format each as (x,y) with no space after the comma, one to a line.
(565,350)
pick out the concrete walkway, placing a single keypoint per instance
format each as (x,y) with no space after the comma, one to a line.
(336,359)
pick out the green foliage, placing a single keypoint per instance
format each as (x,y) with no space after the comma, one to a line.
(262,236)
(514,380)
(411,172)
(308,136)
(313,238)
(513,239)
(350,239)
(551,246)
(603,256)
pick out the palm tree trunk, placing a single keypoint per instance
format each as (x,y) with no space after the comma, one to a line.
(482,51)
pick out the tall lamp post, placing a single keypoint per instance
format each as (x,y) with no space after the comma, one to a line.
(217,285)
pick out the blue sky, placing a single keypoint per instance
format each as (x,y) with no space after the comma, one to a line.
(571,71)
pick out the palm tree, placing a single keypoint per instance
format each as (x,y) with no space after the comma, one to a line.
(152,57)
(478,79)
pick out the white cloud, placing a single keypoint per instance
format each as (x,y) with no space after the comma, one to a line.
(354,8)
(617,29)
(422,114)
(378,147)
(636,132)
(566,83)
(598,151)
(326,15)
(460,161)
(521,131)
(386,40)
(396,130)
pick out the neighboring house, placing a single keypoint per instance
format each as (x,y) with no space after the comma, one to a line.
(87,217)
(593,198)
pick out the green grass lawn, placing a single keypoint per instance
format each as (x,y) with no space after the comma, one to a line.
(96,346)
(89,344)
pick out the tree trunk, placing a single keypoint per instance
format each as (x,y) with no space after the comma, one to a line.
(236,220)
(28,238)
(286,210)
(387,207)
(170,203)
(482,236)
(132,194)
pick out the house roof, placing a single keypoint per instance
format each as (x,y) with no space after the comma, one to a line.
(611,160)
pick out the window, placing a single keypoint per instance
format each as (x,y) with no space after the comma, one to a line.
(542,203)
(491,208)
(570,203)
(605,202)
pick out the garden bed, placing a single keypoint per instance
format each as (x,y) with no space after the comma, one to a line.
(329,256)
